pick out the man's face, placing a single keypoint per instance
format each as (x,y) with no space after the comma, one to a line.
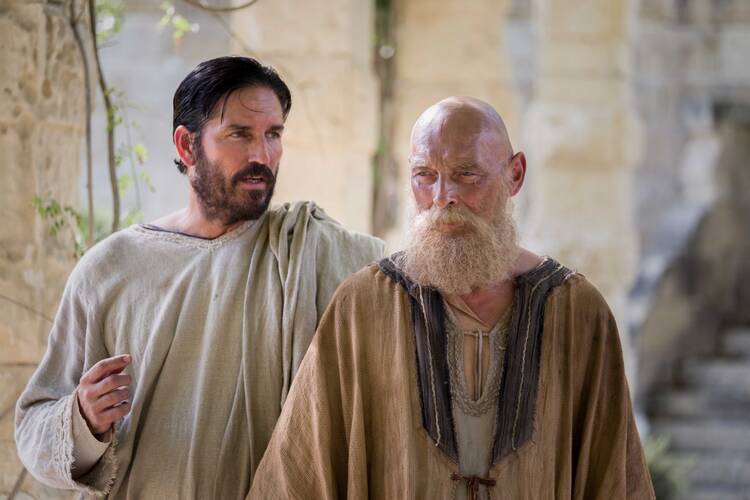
(463,236)
(458,163)
(237,159)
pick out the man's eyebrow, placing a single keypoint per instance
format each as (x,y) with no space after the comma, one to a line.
(417,160)
(467,163)
(243,128)
(236,126)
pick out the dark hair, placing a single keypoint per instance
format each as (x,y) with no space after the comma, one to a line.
(216,79)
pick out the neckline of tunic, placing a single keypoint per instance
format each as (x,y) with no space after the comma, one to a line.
(194,241)
(497,340)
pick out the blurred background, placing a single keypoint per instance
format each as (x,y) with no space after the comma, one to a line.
(634,115)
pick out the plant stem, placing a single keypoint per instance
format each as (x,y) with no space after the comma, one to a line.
(110,121)
(87,86)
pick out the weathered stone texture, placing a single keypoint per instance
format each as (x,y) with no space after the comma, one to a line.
(583,141)
(324,52)
(41,127)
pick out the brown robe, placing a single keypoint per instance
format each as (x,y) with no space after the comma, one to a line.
(368,415)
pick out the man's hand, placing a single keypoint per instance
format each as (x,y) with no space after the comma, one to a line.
(103,393)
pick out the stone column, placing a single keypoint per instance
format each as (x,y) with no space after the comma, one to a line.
(583,141)
(444,48)
(323,50)
(41,128)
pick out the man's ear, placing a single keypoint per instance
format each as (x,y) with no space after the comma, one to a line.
(183,141)
(516,172)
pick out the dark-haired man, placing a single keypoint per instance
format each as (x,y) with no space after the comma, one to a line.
(464,367)
(176,341)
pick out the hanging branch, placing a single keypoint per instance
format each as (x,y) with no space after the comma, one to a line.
(27,308)
(87,87)
(197,3)
(111,121)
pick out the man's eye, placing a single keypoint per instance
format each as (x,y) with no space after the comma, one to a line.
(274,135)
(237,134)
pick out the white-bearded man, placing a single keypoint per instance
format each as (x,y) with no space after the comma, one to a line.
(176,341)
(464,366)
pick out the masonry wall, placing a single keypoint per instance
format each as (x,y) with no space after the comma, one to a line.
(41,128)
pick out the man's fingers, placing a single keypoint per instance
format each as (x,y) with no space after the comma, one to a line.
(111,383)
(111,399)
(101,421)
(102,390)
(115,413)
(106,367)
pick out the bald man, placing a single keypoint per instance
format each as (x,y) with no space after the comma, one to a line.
(464,366)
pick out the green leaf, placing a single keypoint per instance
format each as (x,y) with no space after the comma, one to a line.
(109,19)
(141,153)
(59,218)
(124,182)
(143,176)
(133,216)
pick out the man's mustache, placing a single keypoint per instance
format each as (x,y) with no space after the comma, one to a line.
(448,215)
(255,170)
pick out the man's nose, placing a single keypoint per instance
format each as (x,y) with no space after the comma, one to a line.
(259,152)
(444,193)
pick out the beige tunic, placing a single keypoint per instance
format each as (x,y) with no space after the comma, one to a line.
(352,426)
(474,412)
(216,329)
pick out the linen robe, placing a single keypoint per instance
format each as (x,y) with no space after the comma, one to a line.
(216,329)
(364,419)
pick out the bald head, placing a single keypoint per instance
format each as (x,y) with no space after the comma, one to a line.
(463,121)
(463,174)
(461,155)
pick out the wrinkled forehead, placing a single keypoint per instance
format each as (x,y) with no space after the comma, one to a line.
(443,133)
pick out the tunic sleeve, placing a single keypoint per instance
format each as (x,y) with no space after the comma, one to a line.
(44,429)
(87,449)
(317,449)
(608,457)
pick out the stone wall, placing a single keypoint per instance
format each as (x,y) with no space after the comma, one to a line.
(41,127)
(583,139)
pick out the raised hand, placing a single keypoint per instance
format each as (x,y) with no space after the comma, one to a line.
(104,394)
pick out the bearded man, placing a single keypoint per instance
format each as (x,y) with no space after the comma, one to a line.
(176,341)
(465,366)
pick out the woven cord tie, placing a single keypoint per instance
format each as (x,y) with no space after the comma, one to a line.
(472,484)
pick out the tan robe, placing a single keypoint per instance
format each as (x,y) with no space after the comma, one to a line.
(216,329)
(353,427)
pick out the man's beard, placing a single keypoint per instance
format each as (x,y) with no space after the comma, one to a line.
(221,198)
(479,255)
